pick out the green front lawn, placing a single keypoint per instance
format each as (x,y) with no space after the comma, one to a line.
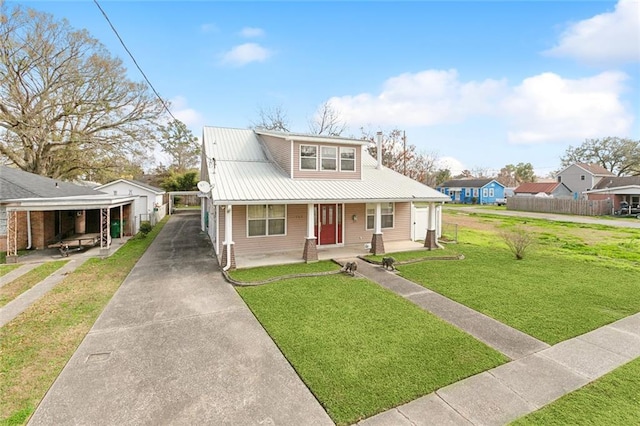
(613,399)
(263,273)
(21,284)
(563,288)
(360,348)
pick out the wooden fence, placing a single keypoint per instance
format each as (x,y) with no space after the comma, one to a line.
(560,205)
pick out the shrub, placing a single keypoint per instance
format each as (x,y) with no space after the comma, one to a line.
(518,240)
(145,227)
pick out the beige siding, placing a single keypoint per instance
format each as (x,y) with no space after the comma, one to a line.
(320,174)
(293,240)
(280,151)
(357,232)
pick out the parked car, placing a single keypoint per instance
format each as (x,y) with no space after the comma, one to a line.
(628,210)
(501,201)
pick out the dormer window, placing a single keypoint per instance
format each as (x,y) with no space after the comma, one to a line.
(329,158)
(347,159)
(308,157)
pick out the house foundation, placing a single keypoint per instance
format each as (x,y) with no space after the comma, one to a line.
(377,245)
(310,253)
(223,262)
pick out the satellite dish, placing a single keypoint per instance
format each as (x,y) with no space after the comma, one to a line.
(204,186)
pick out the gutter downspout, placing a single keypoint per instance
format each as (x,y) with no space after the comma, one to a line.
(29,241)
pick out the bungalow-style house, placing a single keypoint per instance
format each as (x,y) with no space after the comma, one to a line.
(617,189)
(543,189)
(581,177)
(150,205)
(36,211)
(473,191)
(273,192)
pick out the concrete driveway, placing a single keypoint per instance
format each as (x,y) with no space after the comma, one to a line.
(619,223)
(177,345)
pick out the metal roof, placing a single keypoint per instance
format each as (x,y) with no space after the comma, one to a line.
(243,174)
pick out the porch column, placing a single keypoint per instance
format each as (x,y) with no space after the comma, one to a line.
(377,244)
(12,236)
(228,253)
(121,223)
(310,253)
(438,221)
(431,241)
(105,237)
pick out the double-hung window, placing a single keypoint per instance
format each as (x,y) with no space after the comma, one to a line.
(386,216)
(308,157)
(485,191)
(347,159)
(491,192)
(329,158)
(265,220)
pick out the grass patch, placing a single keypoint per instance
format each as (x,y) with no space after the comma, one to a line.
(36,345)
(21,284)
(5,269)
(262,273)
(561,289)
(360,348)
(613,399)
(413,255)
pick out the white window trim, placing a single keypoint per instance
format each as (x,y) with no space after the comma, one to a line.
(485,192)
(491,192)
(300,158)
(267,222)
(355,156)
(366,218)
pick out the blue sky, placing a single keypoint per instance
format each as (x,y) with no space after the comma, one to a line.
(480,84)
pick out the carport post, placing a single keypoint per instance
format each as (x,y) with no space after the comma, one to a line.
(431,241)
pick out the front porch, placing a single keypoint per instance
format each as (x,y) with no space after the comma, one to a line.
(324,253)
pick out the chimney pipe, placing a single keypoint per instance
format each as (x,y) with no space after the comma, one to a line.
(379,150)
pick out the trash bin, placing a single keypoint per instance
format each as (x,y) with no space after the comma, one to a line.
(115,229)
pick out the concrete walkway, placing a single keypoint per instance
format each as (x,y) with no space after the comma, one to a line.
(539,374)
(18,305)
(18,272)
(177,345)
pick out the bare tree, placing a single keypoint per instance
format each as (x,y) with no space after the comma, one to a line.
(272,118)
(327,121)
(67,108)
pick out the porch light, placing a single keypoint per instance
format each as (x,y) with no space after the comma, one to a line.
(354,217)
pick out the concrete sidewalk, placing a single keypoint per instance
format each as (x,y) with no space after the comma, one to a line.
(539,374)
(177,345)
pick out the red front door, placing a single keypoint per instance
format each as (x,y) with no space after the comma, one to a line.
(328,226)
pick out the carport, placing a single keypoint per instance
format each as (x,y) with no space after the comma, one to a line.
(87,219)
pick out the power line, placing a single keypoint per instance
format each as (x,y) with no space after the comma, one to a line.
(134,60)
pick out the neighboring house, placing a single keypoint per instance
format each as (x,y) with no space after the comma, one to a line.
(581,177)
(36,211)
(617,189)
(543,189)
(277,192)
(151,204)
(473,191)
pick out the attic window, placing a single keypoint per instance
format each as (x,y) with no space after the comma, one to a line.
(581,177)
(329,160)
(347,159)
(559,179)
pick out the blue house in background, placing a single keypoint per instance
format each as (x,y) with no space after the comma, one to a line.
(473,191)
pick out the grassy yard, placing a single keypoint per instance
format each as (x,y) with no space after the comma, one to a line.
(360,348)
(21,284)
(260,274)
(577,277)
(5,269)
(613,399)
(35,346)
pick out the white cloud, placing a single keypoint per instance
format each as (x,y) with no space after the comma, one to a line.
(454,165)
(424,98)
(246,53)
(208,28)
(251,32)
(547,108)
(189,116)
(605,38)
(541,108)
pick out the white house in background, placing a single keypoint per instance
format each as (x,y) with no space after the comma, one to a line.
(581,177)
(151,204)
(275,192)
